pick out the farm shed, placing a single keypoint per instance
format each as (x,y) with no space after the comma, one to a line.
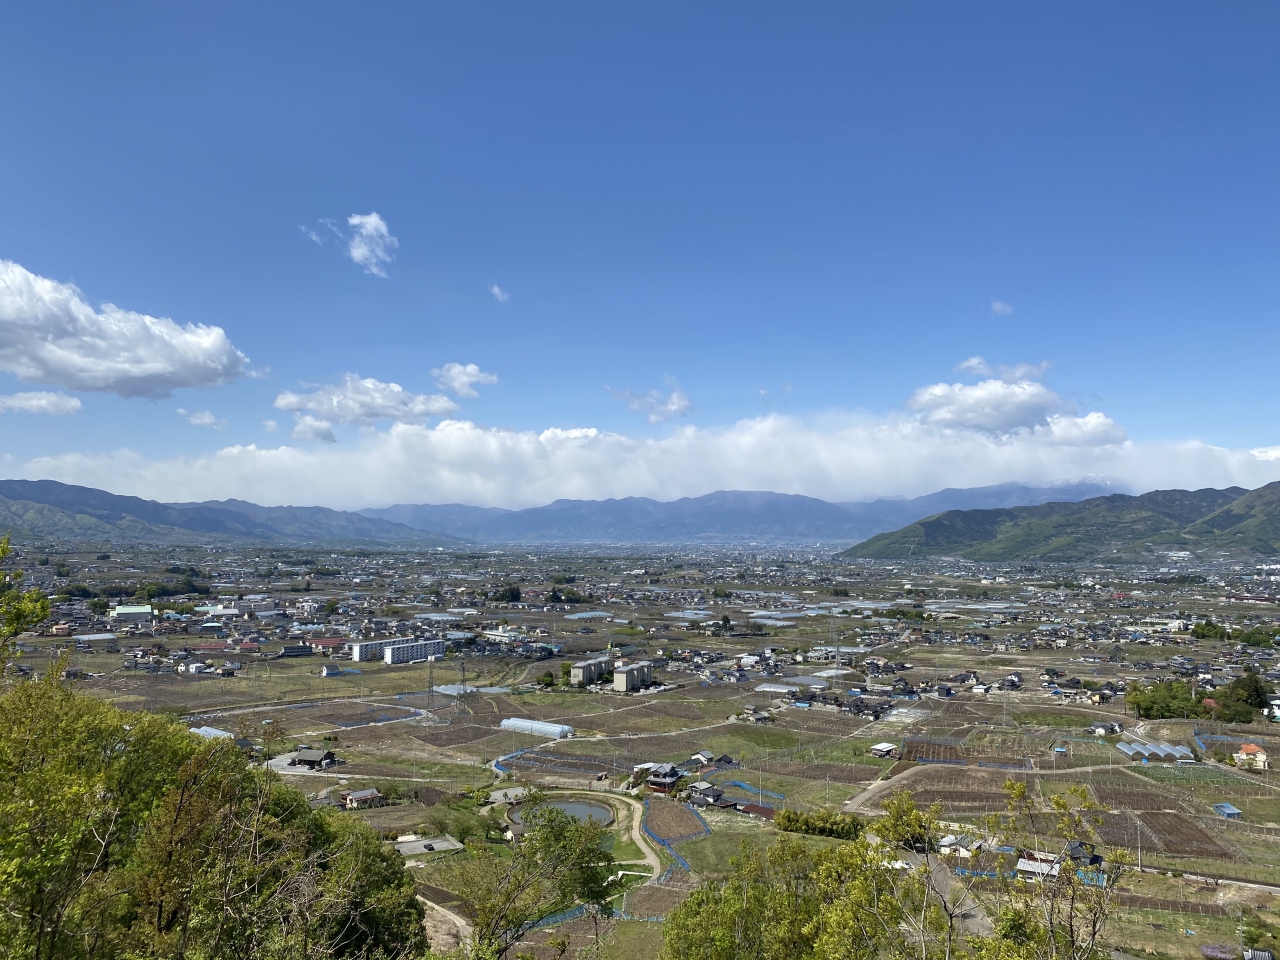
(538,728)
(1228,810)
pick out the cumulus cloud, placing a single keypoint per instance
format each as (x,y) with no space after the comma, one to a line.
(1000,308)
(655,404)
(498,293)
(201,418)
(365,400)
(307,427)
(991,406)
(40,401)
(50,334)
(460,379)
(370,243)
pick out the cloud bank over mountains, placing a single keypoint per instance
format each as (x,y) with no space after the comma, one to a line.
(838,457)
(995,424)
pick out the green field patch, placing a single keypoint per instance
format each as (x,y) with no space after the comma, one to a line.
(633,940)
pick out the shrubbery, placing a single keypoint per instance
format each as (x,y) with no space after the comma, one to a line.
(823,823)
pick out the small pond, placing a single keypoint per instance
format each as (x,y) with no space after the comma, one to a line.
(578,809)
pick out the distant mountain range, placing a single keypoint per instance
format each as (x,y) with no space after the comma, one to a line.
(48,510)
(726,516)
(1110,527)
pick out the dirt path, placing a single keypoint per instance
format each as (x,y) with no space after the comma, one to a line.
(459,922)
(637,834)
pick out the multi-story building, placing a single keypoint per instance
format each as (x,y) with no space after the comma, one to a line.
(632,676)
(413,650)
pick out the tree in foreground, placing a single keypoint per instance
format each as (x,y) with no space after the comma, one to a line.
(558,863)
(122,835)
(888,895)
(19,609)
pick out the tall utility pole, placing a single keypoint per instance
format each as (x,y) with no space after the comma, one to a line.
(831,620)
(431,684)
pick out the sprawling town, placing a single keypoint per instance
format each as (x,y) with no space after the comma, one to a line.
(691,698)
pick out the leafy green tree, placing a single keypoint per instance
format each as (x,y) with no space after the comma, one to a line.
(19,610)
(557,863)
(1248,689)
(125,837)
(1209,630)
(76,784)
(762,911)
(906,825)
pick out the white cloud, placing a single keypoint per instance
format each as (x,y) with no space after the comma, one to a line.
(370,243)
(838,458)
(365,400)
(498,293)
(307,427)
(952,435)
(974,365)
(991,406)
(978,366)
(461,378)
(269,426)
(49,334)
(1000,308)
(311,235)
(201,418)
(657,405)
(1024,371)
(40,401)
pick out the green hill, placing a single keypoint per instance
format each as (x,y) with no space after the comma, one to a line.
(1103,527)
(48,510)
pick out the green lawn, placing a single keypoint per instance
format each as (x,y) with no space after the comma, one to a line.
(710,855)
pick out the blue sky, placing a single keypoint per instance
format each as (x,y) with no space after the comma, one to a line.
(731,238)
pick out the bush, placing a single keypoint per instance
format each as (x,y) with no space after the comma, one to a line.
(823,823)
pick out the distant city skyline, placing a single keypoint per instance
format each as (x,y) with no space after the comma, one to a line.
(505,255)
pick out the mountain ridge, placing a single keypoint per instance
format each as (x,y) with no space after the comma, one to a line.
(722,516)
(1113,526)
(48,509)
